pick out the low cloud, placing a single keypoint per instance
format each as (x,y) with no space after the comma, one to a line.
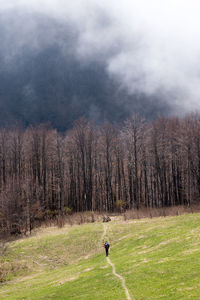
(150,47)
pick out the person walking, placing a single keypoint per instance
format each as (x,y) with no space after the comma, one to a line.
(106,246)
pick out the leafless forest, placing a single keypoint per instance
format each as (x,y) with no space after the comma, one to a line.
(44,174)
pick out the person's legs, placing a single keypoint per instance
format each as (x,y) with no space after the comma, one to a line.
(106,252)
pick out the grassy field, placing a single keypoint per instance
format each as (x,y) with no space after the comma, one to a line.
(159,259)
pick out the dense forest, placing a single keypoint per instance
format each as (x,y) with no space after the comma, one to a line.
(44,174)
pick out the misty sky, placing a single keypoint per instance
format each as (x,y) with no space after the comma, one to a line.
(148,46)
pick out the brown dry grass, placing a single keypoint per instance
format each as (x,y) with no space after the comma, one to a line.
(78,218)
(72,219)
(159,212)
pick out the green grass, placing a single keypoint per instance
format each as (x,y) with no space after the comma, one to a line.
(159,259)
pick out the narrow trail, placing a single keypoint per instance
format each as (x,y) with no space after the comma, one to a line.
(104,232)
(114,270)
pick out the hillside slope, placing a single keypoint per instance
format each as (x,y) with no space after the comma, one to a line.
(158,258)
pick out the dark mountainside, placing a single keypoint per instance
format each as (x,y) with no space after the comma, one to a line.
(43,79)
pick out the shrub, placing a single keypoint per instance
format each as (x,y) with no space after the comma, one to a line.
(120,205)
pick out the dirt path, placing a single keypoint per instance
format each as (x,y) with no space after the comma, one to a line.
(114,270)
(104,232)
